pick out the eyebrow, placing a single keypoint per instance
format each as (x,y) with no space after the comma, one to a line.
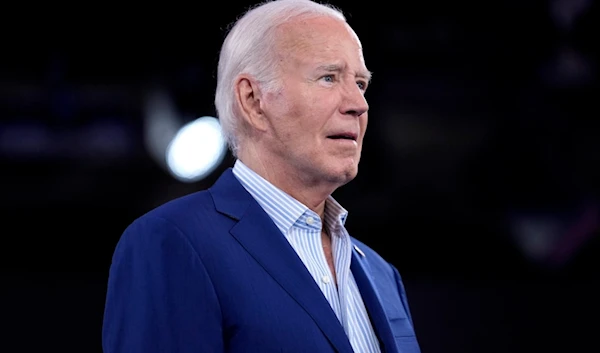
(366,75)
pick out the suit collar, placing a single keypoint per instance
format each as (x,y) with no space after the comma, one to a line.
(360,270)
(256,232)
(282,207)
(229,196)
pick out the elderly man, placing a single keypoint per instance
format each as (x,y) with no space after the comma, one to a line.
(261,261)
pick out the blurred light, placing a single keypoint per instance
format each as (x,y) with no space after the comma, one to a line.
(196,150)
(552,239)
(26,140)
(161,123)
(566,12)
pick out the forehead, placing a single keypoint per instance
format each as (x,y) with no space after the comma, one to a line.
(319,40)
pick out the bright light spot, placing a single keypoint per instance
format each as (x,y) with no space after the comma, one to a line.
(196,150)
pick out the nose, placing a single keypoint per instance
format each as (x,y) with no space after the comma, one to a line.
(355,103)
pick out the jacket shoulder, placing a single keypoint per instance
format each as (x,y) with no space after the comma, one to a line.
(182,207)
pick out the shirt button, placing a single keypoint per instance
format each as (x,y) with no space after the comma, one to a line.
(325,279)
(309,220)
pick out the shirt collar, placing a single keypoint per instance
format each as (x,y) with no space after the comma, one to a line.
(283,208)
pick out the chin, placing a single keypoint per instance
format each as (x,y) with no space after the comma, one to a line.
(337,170)
(344,175)
(351,175)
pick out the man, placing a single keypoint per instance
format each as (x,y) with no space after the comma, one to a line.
(261,261)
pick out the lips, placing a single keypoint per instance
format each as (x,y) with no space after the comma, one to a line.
(343,136)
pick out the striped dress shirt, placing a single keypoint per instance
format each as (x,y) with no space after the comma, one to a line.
(302,228)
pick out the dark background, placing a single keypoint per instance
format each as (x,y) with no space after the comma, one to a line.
(479,178)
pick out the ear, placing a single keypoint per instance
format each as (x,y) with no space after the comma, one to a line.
(248,96)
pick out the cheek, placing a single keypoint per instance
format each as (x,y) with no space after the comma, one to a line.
(364,121)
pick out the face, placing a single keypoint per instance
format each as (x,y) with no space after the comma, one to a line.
(318,118)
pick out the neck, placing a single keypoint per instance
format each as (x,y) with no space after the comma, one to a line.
(311,193)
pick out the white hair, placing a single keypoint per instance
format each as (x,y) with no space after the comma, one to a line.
(248,49)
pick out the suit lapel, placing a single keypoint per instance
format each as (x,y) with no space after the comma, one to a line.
(257,233)
(360,271)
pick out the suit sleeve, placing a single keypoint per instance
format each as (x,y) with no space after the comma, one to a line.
(159,297)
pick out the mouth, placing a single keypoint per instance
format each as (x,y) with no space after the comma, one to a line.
(344,136)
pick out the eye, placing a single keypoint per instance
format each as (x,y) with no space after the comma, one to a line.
(362,85)
(328,78)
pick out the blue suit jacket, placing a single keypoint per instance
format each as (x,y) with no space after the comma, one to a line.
(210,272)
